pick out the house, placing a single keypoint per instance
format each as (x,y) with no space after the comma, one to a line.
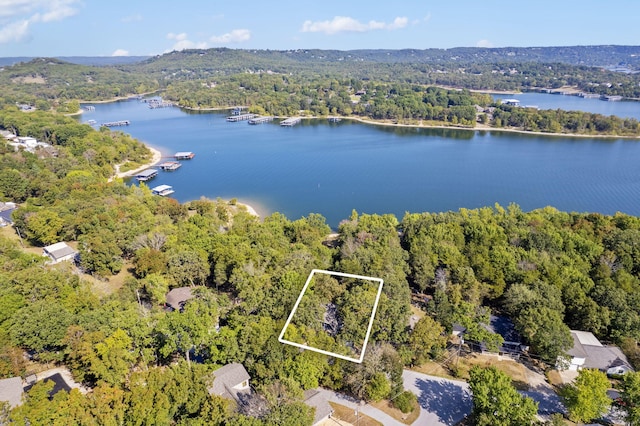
(177,297)
(11,391)
(59,252)
(512,342)
(314,398)
(588,352)
(230,381)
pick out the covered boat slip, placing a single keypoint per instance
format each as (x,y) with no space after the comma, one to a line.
(184,155)
(162,190)
(146,175)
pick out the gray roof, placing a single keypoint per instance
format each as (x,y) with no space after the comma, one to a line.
(11,391)
(58,250)
(315,399)
(225,378)
(597,356)
(177,297)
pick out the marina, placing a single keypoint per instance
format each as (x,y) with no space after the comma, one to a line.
(241,117)
(169,166)
(184,155)
(290,122)
(162,190)
(146,175)
(116,123)
(261,119)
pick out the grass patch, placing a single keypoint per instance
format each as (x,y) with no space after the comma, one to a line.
(346,414)
(554,378)
(389,409)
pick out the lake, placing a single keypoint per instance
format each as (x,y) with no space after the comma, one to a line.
(333,168)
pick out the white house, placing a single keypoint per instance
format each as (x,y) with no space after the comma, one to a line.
(59,252)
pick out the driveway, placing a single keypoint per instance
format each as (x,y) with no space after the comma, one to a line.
(442,401)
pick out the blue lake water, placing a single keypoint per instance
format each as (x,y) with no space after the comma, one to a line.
(331,169)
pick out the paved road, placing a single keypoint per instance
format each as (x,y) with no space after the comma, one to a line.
(443,402)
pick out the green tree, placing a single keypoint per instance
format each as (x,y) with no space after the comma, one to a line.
(631,397)
(426,340)
(586,399)
(496,402)
(378,387)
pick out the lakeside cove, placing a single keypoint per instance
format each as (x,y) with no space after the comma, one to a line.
(331,168)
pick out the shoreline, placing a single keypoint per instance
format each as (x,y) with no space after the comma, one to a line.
(156,156)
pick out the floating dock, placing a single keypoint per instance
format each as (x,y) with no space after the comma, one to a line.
(184,155)
(260,120)
(158,103)
(169,166)
(162,190)
(116,123)
(334,119)
(290,122)
(146,175)
(241,117)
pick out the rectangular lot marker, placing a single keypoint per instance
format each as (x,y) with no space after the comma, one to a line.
(373,314)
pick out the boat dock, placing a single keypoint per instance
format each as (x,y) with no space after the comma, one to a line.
(89,108)
(162,190)
(290,122)
(334,119)
(241,117)
(159,103)
(116,123)
(146,175)
(260,120)
(184,155)
(169,166)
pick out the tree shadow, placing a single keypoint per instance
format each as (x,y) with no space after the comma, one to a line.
(449,402)
(548,401)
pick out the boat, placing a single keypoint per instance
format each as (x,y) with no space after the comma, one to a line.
(184,155)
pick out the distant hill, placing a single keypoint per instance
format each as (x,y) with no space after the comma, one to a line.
(81,60)
(605,56)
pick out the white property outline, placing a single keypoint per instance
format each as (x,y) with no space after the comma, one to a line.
(281,338)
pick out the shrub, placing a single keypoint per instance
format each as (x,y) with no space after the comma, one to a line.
(405,401)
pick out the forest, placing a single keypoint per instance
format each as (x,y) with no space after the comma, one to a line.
(549,271)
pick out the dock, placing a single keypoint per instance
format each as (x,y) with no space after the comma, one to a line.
(158,103)
(290,122)
(334,119)
(241,117)
(89,108)
(261,119)
(169,166)
(184,155)
(162,190)
(146,175)
(116,123)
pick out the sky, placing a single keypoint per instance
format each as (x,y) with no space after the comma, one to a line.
(146,27)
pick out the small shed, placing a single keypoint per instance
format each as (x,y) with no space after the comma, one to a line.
(59,252)
(229,381)
(11,391)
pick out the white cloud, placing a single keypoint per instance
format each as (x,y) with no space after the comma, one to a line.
(16,16)
(182,42)
(14,32)
(235,36)
(340,24)
(178,37)
(120,52)
(484,43)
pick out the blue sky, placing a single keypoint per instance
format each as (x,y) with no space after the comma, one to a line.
(144,27)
